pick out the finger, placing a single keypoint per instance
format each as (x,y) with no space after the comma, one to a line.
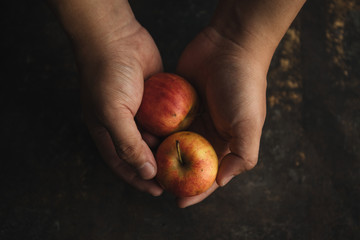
(107,150)
(188,201)
(151,140)
(125,171)
(243,156)
(129,144)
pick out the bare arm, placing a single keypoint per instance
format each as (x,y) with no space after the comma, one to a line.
(257,25)
(114,55)
(228,62)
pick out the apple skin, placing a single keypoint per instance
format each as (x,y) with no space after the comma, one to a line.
(169,104)
(198,169)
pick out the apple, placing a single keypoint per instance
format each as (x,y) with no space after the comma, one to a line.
(169,104)
(187,164)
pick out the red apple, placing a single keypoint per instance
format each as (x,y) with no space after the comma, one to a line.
(169,104)
(187,164)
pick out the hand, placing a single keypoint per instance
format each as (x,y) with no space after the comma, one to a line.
(113,74)
(232,85)
(228,64)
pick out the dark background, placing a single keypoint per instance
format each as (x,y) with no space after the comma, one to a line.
(306,185)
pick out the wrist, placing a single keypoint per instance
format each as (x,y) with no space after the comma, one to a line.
(94,24)
(254,60)
(229,26)
(256,26)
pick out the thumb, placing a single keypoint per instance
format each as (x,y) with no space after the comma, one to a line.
(129,144)
(243,156)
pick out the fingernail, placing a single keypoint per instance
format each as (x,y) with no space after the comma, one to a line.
(156,192)
(147,170)
(226,180)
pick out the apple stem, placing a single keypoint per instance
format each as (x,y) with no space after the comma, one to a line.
(178,151)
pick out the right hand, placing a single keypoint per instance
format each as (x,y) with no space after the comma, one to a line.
(112,81)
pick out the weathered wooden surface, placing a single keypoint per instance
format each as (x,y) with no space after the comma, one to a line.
(307,182)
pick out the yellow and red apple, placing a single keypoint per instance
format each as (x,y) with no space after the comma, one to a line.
(169,104)
(187,164)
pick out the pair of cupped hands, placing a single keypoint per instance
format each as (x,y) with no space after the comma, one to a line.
(230,81)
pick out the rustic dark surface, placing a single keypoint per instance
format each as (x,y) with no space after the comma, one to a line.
(306,185)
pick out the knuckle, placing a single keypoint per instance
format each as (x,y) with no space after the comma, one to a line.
(250,162)
(128,153)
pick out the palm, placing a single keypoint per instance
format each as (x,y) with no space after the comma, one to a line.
(120,71)
(112,89)
(233,96)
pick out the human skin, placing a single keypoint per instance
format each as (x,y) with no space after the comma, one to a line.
(227,63)
(114,55)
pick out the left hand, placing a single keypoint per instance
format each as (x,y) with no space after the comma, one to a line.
(232,86)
